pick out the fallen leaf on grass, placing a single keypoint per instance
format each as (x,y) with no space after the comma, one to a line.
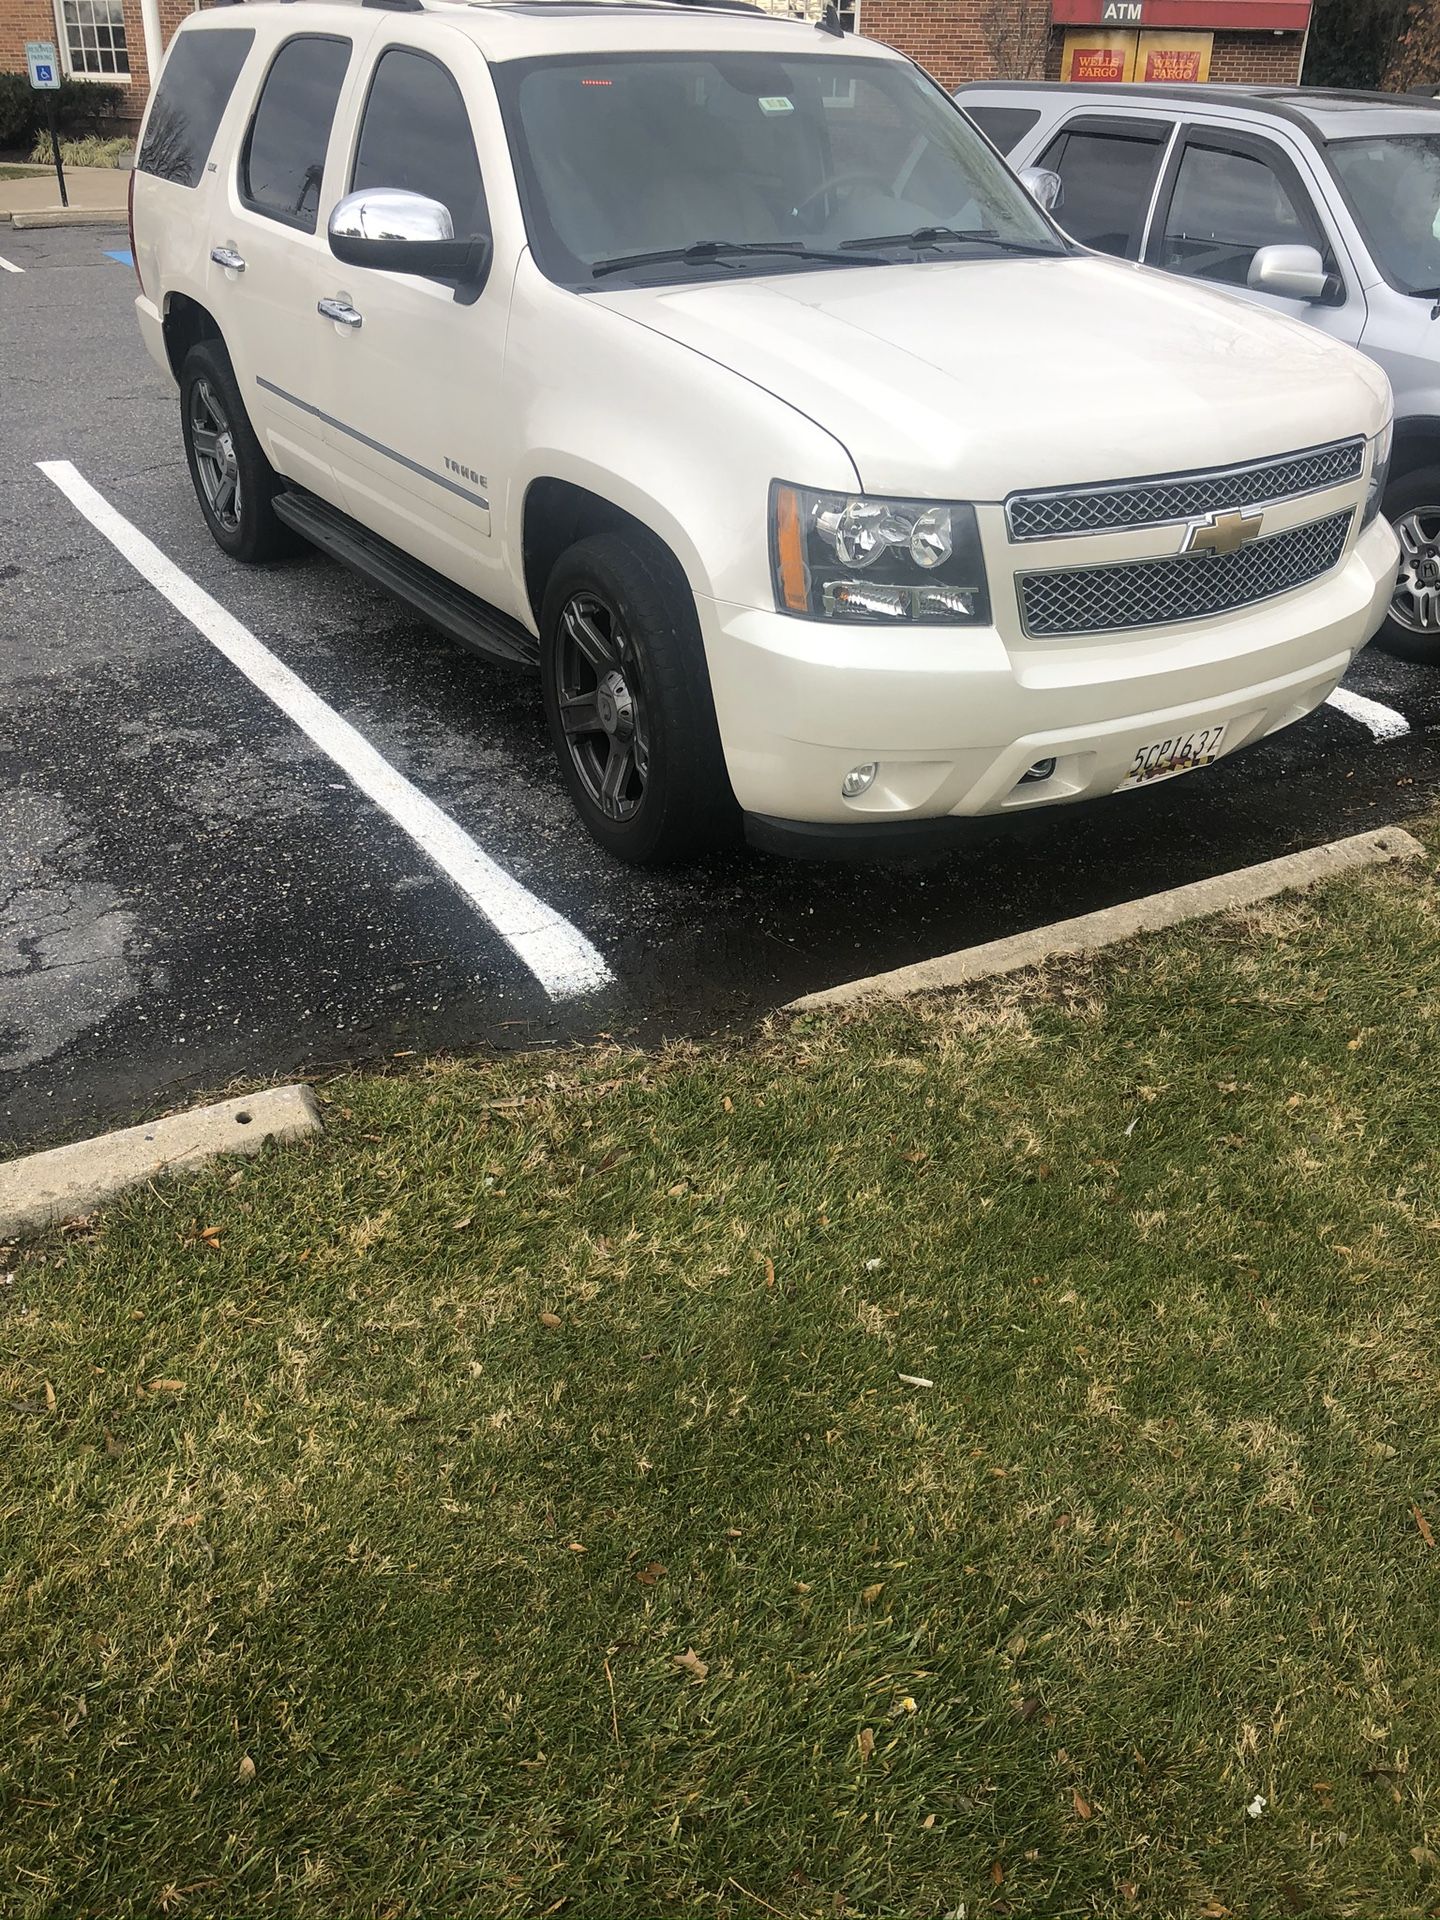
(1028,1709)
(871,1594)
(245,1773)
(50,1407)
(691,1663)
(459,1226)
(914,1380)
(1213,1910)
(865,1741)
(769,1272)
(647,1576)
(997,1873)
(548,1319)
(164,1386)
(1129,1892)
(575,1547)
(1424,1525)
(112,1445)
(1082,1805)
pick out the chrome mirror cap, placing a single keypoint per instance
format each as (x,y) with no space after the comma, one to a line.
(1044,186)
(390,213)
(1296,273)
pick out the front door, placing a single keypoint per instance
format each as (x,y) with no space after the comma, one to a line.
(411,372)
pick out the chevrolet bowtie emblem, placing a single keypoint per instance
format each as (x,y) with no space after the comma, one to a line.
(1222,532)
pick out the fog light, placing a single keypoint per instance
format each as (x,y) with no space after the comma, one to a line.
(858,779)
(1041,770)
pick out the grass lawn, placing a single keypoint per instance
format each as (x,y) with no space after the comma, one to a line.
(20,173)
(514,1503)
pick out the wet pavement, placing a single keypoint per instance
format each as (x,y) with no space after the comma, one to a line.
(190,891)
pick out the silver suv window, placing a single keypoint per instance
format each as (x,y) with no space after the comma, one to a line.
(1225,205)
(1393,186)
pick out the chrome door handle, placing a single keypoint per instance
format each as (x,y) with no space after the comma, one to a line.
(227,257)
(340,311)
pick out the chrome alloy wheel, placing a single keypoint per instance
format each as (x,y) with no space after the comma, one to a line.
(1417,591)
(601,707)
(215,461)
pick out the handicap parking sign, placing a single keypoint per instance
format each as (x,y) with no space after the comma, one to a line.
(43,66)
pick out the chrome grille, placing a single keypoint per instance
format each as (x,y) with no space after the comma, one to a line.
(1181,496)
(1185,586)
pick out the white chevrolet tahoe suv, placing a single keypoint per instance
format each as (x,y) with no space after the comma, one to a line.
(718,366)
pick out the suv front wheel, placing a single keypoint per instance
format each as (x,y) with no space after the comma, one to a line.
(627,696)
(234,482)
(1412,506)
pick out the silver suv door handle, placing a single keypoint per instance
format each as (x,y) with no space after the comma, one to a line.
(227,257)
(339,311)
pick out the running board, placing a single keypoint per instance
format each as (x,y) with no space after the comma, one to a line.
(455,612)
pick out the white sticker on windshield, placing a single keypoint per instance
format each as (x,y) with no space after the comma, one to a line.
(776,103)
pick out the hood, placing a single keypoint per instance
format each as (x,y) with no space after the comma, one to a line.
(972,378)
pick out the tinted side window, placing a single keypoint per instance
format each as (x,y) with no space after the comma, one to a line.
(1108,182)
(1226,205)
(1002,126)
(194,91)
(415,134)
(283,162)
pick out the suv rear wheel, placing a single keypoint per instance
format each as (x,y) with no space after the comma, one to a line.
(234,482)
(627,696)
(1412,506)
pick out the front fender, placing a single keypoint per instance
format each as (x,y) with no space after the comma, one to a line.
(686,446)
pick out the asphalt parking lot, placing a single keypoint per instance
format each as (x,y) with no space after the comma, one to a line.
(191,888)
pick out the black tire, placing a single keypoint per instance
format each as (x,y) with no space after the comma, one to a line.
(243,522)
(622,665)
(1412,628)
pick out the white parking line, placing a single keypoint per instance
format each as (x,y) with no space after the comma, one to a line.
(1384,722)
(559,956)
(9,266)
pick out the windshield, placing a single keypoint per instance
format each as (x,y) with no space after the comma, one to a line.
(1393,186)
(657,153)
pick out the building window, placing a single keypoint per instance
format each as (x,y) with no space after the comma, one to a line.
(812,10)
(94,35)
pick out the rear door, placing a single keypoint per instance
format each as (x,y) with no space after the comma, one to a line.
(1229,191)
(1110,164)
(269,259)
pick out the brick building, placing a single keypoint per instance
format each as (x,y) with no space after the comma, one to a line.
(1109,40)
(119,40)
(114,41)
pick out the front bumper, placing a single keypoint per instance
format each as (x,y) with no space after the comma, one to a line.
(954,718)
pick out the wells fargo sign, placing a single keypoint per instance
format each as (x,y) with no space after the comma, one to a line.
(1172,59)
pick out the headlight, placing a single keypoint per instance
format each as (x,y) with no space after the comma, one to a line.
(840,556)
(1379,471)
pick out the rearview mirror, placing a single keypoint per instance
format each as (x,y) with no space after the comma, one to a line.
(1043,185)
(1296,273)
(400,232)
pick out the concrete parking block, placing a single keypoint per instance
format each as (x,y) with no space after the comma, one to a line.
(41,1188)
(71,217)
(1090,931)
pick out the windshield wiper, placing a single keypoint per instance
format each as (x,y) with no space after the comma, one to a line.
(939,236)
(704,250)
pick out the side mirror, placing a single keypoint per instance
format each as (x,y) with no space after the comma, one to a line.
(400,232)
(1297,273)
(1043,185)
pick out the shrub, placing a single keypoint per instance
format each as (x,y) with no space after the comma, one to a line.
(81,106)
(92,151)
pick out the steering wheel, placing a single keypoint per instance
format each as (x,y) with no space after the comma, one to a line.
(848,176)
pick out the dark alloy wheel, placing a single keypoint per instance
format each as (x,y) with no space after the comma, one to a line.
(627,696)
(602,706)
(234,482)
(215,464)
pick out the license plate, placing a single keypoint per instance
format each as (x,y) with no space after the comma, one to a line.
(1181,753)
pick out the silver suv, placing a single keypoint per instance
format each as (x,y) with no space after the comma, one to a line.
(1324,205)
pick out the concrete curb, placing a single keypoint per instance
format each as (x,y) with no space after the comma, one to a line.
(41,1188)
(71,217)
(1093,930)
